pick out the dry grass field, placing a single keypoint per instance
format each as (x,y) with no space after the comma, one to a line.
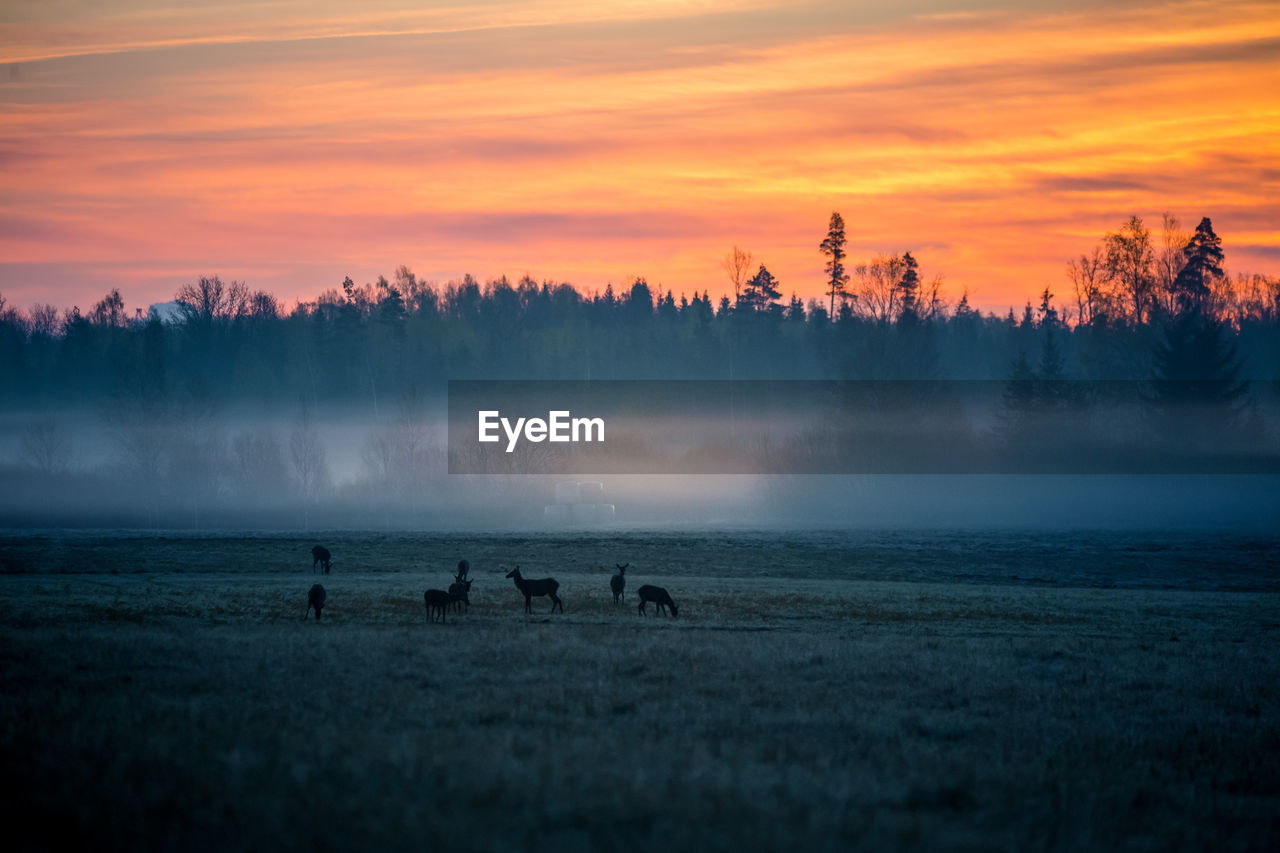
(166,693)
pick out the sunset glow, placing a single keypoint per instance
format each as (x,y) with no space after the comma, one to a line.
(291,144)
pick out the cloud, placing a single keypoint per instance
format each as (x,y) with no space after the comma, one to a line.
(595,144)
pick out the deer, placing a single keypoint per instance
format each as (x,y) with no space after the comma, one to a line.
(546,586)
(437,600)
(618,582)
(460,592)
(320,557)
(659,597)
(463,568)
(315,598)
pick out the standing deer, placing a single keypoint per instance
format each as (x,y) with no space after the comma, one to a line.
(546,586)
(437,600)
(463,568)
(618,582)
(659,597)
(320,557)
(461,594)
(315,598)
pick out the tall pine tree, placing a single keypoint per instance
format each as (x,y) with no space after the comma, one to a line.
(1204,256)
(833,248)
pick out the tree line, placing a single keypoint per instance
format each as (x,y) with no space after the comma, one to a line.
(1130,300)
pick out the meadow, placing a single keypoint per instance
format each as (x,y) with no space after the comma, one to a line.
(902,691)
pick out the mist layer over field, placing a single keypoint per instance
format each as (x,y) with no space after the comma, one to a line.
(817,691)
(236,469)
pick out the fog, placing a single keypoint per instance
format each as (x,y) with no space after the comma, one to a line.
(353,468)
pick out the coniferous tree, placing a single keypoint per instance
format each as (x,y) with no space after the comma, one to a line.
(908,289)
(1204,256)
(761,292)
(1197,392)
(833,248)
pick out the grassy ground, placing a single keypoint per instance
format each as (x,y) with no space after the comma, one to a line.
(166,693)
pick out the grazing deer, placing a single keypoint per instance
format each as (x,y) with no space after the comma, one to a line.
(546,586)
(437,600)
(659,597)
(618,582)
(315,598)
(320,557)
(461,594)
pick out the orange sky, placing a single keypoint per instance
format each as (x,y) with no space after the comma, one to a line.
(290,144)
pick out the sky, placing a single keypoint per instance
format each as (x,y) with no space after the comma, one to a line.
(290,144)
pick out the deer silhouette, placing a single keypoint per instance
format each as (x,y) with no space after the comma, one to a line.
(618,582)
(463,568)
(461,594)
(320,557)
(545,586)
(437,600)
(659,597)
(315,598)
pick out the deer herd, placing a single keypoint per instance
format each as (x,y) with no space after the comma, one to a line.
(457,596)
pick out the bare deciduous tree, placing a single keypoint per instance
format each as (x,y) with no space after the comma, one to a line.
(44,320)
(109,311)
(737,265)
(1129,262)
(1168,262)
(209,299)
(46,448)
(1088,276)
(876,287)
(310,465)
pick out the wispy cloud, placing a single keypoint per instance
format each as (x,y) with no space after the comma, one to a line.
(592,142)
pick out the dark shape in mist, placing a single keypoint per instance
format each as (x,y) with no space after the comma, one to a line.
(1197,396)
(536,588)
(46,448)
(320,558)
(618,582)
(660,598)
(315,599)
(460,592)
(437,601)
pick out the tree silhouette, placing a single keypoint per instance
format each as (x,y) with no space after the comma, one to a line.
(736,263)
(761,292)
(833,248)
(1197,393)
(908,288)
(1129,260)
(1204,257)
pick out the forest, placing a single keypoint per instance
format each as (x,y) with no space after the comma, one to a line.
(224,399)
(1109,319)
